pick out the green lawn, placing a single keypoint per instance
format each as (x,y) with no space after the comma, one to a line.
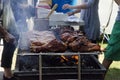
(114,70)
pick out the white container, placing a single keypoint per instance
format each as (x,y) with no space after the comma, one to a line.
(41,24)
(42,12)
(58,17)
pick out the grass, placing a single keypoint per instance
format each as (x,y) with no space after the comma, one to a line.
(114,70)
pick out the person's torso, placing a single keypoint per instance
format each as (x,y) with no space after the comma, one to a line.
(92,8)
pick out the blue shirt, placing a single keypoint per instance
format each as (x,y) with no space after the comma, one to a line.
(61,3)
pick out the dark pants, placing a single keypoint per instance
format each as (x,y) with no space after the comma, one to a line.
(8,51)
(7,54)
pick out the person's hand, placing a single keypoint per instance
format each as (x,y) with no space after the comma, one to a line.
(9,38)
(66,6)
(117,1)
(70,13)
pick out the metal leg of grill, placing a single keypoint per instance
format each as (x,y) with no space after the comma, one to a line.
(79,67)
(40,67)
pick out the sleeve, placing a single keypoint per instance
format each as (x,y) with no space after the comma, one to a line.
(89,3)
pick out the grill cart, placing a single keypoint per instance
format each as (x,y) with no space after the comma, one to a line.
(56,65)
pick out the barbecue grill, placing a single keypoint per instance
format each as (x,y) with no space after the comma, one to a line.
(90,68)
(48,66)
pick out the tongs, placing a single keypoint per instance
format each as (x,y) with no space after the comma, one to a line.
(52,10)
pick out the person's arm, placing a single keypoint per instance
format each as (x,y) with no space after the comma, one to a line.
(81,6)
(68,6)
(3,32)
(74,12)
(7,36)
(117,1)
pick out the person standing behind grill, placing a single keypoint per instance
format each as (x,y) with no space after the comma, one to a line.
(89,13)
(112,51)
(10,37)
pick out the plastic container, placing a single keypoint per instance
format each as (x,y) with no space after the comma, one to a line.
(43,4)
(41,24)
(42,12)
(58,17)
(61,3)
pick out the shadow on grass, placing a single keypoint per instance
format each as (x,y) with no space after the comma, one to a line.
(113,74)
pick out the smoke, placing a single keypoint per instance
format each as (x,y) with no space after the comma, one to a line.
(23,11)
